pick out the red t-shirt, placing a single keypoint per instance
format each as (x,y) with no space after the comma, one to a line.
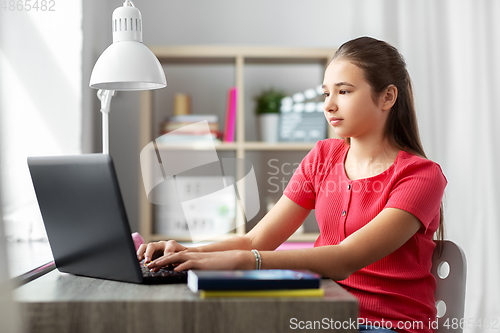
(398,289)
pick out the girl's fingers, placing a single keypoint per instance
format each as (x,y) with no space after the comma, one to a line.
(168,258)
(185,266)
(173,246)
(147,251)
(185,260)
(151,249)
(140,251)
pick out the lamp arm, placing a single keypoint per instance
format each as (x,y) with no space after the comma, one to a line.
(105,98)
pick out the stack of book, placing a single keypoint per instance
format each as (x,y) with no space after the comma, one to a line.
(255,283)
(189,127)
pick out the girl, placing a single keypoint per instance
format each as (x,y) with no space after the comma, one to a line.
(377,199)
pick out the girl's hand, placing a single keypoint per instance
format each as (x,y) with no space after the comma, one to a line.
(221,260)
(154,250)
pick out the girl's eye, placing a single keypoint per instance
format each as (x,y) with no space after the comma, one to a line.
(325,95)
(343,92)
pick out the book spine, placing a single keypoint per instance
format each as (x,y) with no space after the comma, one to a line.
(318,292)
(193,118)
(228,118)
(232,114)
(172,126)
(225,284)
(192,281)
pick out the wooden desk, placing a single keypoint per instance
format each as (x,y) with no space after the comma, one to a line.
(59,302)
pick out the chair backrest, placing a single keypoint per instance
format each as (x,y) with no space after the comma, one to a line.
(449,267)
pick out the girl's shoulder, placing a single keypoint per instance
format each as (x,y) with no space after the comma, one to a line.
(412,164)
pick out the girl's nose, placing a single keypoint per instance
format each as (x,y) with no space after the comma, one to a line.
(330,105)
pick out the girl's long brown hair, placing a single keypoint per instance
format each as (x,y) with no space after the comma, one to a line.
(383,65)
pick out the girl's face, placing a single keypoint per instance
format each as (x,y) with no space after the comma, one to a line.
(349,106)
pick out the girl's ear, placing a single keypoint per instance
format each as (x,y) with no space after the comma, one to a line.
(388,97)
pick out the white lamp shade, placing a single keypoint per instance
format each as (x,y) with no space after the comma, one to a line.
(127,65)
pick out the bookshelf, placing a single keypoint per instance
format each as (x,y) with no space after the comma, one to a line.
(239,57)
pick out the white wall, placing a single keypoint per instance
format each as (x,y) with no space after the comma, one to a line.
(40,101)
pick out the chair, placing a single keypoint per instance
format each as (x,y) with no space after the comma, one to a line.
(450,269)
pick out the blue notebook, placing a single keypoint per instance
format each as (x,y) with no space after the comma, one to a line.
(265,279)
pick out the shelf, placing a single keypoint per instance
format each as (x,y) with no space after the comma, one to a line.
(306,237)
(294,146)
(202,146)
(252,54)
(159,237)
(255,145)
(238,57)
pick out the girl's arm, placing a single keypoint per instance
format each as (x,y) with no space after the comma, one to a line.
(388,231)
(276,227)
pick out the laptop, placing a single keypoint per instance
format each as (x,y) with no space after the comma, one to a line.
(85,219)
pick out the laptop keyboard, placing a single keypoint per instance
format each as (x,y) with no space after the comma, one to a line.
(165,274)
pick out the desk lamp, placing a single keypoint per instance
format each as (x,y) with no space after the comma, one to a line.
(127,64)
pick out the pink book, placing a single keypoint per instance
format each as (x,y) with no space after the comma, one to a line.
(228,113)
(231,116)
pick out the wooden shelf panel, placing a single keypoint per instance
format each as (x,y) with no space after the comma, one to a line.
(226,53)
(158,237)
(255,145)
(306,237)
(190,146)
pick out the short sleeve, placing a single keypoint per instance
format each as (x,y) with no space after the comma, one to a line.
(419,191)
(301,187)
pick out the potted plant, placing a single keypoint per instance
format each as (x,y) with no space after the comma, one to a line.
(267,108)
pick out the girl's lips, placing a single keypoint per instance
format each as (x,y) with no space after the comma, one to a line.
(335,121)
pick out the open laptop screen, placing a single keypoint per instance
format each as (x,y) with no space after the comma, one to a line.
(84,216)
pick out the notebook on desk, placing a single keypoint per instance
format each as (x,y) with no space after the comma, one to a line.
(85,219)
